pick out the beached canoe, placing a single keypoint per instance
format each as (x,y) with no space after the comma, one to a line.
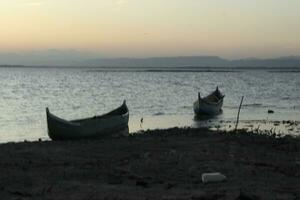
(108,124)
(209,105)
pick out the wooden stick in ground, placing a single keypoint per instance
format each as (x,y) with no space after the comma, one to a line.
(238,116)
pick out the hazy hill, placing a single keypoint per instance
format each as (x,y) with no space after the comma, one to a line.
(160,62)
(196,61)
(291,61)
(53,57)
(50,57)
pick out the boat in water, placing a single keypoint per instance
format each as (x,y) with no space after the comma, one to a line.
(112,123)
(209,105)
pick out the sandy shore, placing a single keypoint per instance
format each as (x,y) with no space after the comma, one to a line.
(160,164)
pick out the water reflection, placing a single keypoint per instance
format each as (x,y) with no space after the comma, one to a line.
(209,121)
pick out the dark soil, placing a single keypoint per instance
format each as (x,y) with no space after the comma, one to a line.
(160,164)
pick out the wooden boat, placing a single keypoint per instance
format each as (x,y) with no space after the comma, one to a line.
(108,124)
(209,105)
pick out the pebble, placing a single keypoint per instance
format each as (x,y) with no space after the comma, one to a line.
(213,177)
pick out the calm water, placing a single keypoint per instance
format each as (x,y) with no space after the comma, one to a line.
(163,99)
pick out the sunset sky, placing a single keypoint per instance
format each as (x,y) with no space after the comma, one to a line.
(141,28)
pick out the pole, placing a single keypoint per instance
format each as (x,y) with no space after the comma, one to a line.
(238,116)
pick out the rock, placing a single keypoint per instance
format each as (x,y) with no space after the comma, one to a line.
(213,177)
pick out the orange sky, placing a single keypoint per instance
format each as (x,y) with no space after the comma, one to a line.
(141,28)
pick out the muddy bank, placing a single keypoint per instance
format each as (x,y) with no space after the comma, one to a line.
(160,164)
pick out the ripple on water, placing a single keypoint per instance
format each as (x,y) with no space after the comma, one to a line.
(76,93)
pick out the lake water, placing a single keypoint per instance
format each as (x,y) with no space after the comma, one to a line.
(163,98)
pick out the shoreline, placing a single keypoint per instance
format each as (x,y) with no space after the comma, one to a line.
(158,164)
(152,123)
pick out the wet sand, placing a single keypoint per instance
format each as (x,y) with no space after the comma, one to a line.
(159,164)
(162,121)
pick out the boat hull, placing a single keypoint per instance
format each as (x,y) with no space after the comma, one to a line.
(96,127)
(209,105)
(205,108)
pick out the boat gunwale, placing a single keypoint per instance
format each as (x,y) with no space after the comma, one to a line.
(78,122)
(211,102)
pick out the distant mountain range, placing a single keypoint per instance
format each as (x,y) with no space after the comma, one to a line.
(193,61)
(76,58)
